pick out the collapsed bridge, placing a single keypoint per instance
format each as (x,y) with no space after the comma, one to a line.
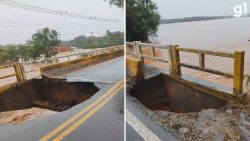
(72,99)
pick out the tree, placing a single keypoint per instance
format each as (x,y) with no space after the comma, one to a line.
(3,57)
(110,39)
(118,3)
(12,52)
(43,42)
(142,20)
(23,52)
(35,51)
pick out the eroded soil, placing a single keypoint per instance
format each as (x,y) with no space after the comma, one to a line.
(228,123)
(22,116)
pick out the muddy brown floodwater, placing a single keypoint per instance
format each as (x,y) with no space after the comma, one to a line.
(27,67)
(24,115)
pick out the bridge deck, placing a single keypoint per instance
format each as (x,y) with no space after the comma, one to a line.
(104,121)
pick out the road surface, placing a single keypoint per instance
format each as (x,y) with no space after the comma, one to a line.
(140,127)
(99,118)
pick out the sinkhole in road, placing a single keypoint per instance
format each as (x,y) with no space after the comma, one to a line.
(164,92)
(51,94)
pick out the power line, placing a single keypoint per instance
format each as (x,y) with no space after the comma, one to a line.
(23,26)
(28,7)
(29,33)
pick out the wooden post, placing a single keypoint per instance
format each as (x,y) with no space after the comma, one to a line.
(18,72)
(22,70)
(202,60)
(176,61)
(238,71)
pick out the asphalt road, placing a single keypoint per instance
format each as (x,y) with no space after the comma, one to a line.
(107,72)
(131,134)
(141,127)
(103,121)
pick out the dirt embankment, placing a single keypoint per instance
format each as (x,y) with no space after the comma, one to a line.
(224,124)
(228,123)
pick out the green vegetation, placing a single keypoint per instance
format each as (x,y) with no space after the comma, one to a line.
(41,43)
(110,39)
(44,40)
(118,3)
(142,20)
(191,19)
(8,53)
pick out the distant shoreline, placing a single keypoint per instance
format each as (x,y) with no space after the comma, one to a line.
(194,19)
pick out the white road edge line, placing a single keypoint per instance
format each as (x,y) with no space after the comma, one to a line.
(140,128)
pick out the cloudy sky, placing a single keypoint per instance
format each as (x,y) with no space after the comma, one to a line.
(187,8)
(16,26)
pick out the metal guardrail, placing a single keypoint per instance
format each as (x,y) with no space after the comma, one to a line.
(175,64)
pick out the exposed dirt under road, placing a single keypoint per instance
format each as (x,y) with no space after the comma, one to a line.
(41,97)
(22,116)
(228,123)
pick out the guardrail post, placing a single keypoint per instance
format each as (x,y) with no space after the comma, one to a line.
(57,60)
(170,59)
(202,60)
(176,61)
(136,49)
(238,71)
(140,52)
(153,51)
(18,72)
(22,71)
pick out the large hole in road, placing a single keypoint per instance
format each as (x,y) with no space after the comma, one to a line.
(163,92)
(52,94)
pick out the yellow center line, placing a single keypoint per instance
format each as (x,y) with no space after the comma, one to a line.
(87,116)
(65,124)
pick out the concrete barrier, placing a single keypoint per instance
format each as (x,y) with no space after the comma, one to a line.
(64,67)
(135,68)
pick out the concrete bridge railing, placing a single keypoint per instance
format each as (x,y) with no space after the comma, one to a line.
(94,57)
(20,72)
(173,58)
(83,54)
